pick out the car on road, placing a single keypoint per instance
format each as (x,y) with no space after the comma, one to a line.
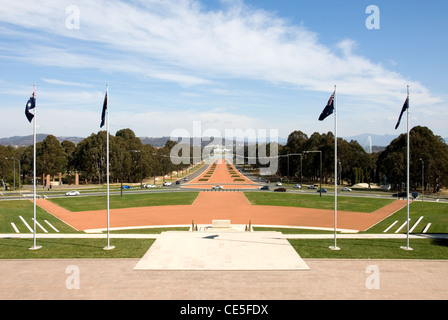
(218,187)
(400,195)
(280,190)
(165,184)
(297,186)
(346,189)
(312,187)
(265,188)
(149,186)
(278,184)
(126,187)
(178,182)
(323,190)
(72,193)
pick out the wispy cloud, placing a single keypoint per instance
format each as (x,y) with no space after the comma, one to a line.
(180,41)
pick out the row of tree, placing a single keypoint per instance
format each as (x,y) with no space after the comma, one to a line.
(428,160)
(133,161)
(130,159)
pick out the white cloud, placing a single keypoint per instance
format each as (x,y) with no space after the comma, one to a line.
(179,41)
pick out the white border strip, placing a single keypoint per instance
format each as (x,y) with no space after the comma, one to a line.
(26,224)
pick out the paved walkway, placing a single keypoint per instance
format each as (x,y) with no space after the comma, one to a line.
(221,251)
(326,280)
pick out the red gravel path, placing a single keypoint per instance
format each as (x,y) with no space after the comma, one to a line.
(210,206)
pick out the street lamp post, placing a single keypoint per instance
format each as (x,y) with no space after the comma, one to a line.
(14,162)
(423,179)
(301,158)
(320,153)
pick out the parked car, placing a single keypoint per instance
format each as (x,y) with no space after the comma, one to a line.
(400,195)
(72,193)
(323,190)
(126,187)
(218,187)
(265,188)
(297,186)
(280,190)
(346,189)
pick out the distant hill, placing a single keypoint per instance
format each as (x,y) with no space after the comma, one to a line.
(377,140)
(25,141)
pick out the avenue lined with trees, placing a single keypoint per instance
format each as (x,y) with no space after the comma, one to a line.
(299,161)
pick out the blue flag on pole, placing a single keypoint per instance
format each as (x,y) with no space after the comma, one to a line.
(31,104)
(103,115)
(405,107)
(329,109)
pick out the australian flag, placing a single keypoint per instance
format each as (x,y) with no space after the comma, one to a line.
(405,107)
(103,115)
(329,109)
(31,104)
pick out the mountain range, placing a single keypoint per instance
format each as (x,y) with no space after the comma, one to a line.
(365,140)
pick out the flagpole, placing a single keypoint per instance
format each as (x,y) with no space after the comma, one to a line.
(35,246)
(407,176)
(335,247)
(109,247)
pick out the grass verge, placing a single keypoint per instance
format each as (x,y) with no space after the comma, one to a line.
(427,249)
(353,204)
(73,248)
(79,204)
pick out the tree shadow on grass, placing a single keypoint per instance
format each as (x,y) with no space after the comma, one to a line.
(440,242)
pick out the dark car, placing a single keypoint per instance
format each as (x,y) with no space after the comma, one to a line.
(280,190)
(400,195)
(178,182)
(323,190)
(265,188)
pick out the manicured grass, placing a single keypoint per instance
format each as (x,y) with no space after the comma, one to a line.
(372,249)
(73,248)
(79,204)
(353,204)
(10,211)
(433,212)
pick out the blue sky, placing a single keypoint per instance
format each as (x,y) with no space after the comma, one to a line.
(231,64)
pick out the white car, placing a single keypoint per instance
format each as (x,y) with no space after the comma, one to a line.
(72,193)
(345,189)
(278,184)
(149,186)
(167,184)
(297,186)
(218,187)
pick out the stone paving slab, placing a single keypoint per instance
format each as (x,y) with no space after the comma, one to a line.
(221,251)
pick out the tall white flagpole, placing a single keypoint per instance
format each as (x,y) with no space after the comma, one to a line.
(35,246)
(335,247)
(109,247)
(407,177)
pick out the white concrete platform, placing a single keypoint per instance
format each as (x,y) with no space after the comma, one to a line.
(221,251)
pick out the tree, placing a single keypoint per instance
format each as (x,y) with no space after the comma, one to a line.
(51,157)
(424,145)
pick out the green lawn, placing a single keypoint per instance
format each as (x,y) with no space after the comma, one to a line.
(73,248)
(79,204)
(345,203)
(372,249)
(433,212)
(10,211)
